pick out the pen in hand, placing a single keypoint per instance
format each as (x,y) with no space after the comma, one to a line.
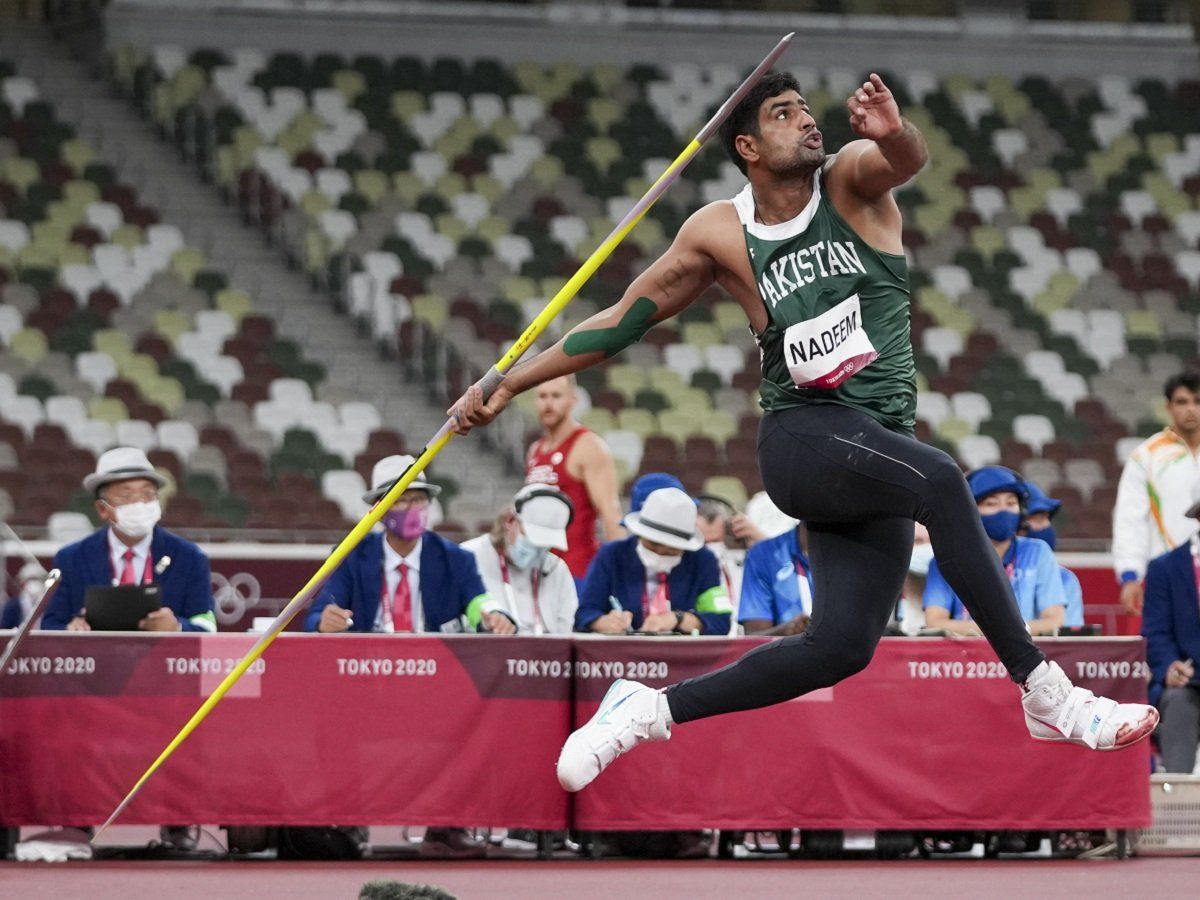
(619,609)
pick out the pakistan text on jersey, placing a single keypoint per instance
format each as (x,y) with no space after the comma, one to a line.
(825,342)
(823,259)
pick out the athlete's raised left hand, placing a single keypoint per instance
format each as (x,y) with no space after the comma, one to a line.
(873,111)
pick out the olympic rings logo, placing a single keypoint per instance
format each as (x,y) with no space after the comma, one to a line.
(233,596)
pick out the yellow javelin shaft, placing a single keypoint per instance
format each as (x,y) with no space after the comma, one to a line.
(288,613)
(445,433)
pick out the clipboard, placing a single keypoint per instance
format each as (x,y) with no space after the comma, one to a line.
(120,608)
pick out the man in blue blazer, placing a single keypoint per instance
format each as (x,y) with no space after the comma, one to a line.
(407,578)
(131,548)
(1171,626)
(410,579)
(661,579)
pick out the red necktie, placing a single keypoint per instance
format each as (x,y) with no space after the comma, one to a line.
(127,575)
(402,619)
(660,603)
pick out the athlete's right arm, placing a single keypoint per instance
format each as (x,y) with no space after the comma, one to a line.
(663,290)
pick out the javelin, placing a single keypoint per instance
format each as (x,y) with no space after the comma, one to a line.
(489,384)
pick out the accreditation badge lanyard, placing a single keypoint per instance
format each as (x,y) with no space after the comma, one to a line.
(535,578)
(1010,566)
(661,598)
(147,572)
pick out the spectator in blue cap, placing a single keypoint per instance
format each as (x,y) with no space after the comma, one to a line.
(1040,511)
(1000,494)
(647,485)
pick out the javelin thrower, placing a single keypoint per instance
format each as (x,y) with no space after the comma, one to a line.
(439,440)
(811,250)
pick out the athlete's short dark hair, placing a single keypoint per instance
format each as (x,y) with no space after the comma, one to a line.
(1189,378)
(744,118)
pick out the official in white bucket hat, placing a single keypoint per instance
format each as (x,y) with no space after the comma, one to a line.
(132,548)
(406,578)
(388,471)
(668,517)
(660,579)
(518,567)
(121,464)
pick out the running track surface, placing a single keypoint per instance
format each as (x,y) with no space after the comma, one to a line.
(1160,879)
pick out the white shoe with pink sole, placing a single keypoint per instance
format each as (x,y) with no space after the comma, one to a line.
(1057,711)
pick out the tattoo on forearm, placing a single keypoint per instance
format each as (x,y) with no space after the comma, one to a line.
(611,341)
(671,278)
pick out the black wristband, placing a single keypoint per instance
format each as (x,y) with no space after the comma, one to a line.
(679,614)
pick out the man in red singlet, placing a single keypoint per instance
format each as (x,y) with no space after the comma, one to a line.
(577,462)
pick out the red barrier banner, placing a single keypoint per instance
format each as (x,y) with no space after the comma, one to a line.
(352,729)
(465,730)
(929,736)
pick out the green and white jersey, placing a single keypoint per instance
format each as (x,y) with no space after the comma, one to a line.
(839,317)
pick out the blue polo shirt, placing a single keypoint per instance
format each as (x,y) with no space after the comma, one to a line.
(1074,594)
(1032,571)
(776,581)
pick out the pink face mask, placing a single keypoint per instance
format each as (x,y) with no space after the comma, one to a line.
(407,524)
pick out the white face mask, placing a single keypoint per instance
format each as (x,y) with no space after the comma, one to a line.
(656,562)
(922,556)
(137,519)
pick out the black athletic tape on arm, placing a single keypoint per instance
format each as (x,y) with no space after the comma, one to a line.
(611,341)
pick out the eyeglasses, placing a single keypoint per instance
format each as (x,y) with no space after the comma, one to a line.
(124,498)
(413,500)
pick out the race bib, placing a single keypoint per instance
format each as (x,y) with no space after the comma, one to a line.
(825,351)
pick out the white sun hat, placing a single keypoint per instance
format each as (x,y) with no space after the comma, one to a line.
(668,517)
(386,473)
(121,464)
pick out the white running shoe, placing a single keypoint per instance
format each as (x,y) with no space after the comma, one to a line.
(628,714)
(1055,710)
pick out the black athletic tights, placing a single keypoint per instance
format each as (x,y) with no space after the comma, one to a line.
(859,486)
